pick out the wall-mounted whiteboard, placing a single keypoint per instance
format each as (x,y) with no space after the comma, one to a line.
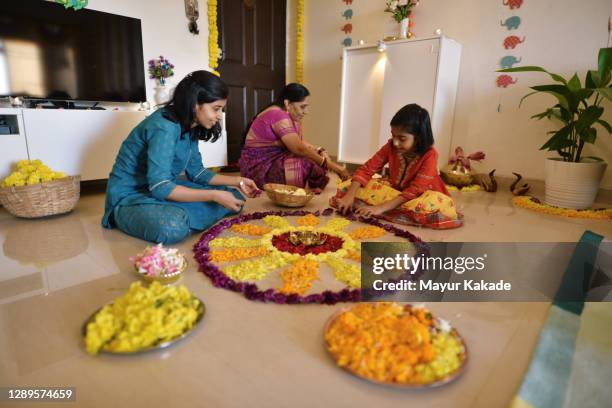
(376,84)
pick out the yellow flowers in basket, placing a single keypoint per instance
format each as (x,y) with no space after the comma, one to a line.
(30,172)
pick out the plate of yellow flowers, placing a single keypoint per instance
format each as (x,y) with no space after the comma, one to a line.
(398,345)
(143,319)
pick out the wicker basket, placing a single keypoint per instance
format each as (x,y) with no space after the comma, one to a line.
(284,199)
(40,200)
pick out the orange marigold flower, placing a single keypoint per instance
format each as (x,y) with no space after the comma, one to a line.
(367,232)
(299,277)
(308,220)
(236,254)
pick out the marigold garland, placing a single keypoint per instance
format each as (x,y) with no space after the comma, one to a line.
(251,229)
(367,232)
(299,43)
(308,221)
(213,37)
(236,254)
(299,277)
(532,203)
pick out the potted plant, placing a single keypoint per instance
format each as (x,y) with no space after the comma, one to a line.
(160,69)
(401,10)
(572,180)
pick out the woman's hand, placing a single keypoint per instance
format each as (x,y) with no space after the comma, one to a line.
(341,171)
(228,200)
(248,187)
(345,204)
(371,210)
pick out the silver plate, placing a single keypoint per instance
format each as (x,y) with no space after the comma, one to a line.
(158,346)
(442,381)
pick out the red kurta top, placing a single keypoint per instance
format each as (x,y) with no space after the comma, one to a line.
(412,175)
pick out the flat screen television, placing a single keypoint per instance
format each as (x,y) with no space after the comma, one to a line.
(50,52)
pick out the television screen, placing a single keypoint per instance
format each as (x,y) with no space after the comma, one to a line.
(50,52)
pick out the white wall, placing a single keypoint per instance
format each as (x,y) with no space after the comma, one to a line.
(164,32)
(561,35)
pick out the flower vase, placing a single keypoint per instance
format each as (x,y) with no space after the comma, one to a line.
(404,28)
(161,94)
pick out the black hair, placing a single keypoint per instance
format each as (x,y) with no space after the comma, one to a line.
(292,92)
(415,120)
(196,88)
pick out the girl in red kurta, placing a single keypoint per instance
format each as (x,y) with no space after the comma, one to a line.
(414,194)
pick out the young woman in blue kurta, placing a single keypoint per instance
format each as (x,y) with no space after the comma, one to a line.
(145,197)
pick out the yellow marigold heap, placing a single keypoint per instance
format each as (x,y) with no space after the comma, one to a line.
(367,232)
(387,343)
(250,229)
(236,254)
(30,172)
(255,269)
(299,277)
(142,318)
(308,220)
(275,221)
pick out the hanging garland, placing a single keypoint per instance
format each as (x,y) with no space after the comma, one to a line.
(299,43)
(75,4)
(213,37)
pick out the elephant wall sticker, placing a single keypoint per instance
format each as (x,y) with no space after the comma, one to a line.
(508,61)
(511,23)
(513,3)
(504,80)
(347,42)
(349,2)
(347,14)
(512,41)
(347,28)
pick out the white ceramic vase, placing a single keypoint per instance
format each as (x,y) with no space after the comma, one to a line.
(573,185)
(404,28)
(161,94)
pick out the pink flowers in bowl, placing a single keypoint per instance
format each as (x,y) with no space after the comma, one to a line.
(159,263)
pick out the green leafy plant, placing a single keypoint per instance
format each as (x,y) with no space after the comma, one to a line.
(578,107)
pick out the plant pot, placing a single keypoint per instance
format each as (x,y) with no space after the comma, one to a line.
(573,185)
(404,28)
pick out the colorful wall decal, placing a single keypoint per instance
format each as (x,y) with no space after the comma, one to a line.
(512,23)
(508,61)
(347,14)
(348,2)
(504,80)
(347,42)
(347,28)
(513,3)
(512,41)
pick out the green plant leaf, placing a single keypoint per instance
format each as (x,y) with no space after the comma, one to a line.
(587,118)
(566,155)
(604,64)
(560,92)
(592,79)
(533,68)
(605,92)
(588,135)
(583,94)
(605,125)
(526,96)
(559,140)
(574,83)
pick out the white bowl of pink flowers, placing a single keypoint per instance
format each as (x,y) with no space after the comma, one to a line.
(158,263)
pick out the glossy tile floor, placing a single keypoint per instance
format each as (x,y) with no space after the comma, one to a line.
(55,272)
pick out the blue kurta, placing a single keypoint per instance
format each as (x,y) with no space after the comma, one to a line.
(149,161)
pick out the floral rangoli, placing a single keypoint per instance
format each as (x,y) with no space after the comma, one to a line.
(292,256)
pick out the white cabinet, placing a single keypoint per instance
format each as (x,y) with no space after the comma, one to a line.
(375,85)
(82,142)
(13,145)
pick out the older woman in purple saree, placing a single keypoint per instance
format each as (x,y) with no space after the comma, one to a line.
(275,150)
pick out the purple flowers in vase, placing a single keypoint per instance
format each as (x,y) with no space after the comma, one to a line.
(160,69)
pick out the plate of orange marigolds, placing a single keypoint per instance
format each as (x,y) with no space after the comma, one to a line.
(394,344)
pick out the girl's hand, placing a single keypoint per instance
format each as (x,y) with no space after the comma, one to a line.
(228,200)
(371,210)
(345,204)
(248,187)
